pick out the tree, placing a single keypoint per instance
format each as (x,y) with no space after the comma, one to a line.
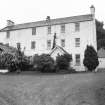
(54,41)
(43,63)
(5,60)
(90,58)
(63,61)
(100,31)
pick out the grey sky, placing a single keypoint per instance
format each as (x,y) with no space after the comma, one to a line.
(22,11)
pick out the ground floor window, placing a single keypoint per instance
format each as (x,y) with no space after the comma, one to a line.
(77,59)
(48,44)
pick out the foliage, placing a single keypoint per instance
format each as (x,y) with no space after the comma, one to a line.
(101,43)
(43,63)
(5,60)
(63,61)
(100,31)
(90,58)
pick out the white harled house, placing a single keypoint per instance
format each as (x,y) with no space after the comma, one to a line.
(73,34)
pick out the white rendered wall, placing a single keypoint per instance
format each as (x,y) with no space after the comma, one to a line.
(87,35)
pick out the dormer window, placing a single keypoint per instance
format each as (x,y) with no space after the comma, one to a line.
(34,31)
(8,34)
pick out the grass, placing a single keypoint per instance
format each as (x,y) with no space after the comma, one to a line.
(63,89)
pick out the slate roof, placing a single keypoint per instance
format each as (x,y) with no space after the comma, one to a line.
(56,21)
(58,47)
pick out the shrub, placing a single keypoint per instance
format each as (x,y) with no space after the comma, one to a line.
(90,58)
(63,61)
(5,60)
(43,63)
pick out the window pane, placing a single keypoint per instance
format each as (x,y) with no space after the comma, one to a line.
(34,31)
(77,42)
(48,44)
(8,34)
(49,29)
(63,42)
(77,26)
(77,57)
(33,45)
(63,28)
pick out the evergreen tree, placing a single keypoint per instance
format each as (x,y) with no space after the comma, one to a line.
(54,41)
(90,58)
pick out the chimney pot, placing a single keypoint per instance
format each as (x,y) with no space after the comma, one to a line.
(10,23)
(48,18)
(92,10)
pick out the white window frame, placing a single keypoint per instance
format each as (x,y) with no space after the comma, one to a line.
(48,44)
(77,59)
(49,29)
(77,27)
(77,42)
(34,31)
(62,28)
(33,44)
(63,42)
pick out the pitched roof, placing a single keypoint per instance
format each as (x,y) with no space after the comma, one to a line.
(65,20)
(58,47)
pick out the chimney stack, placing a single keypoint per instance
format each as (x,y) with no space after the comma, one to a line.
(10,23)
(48,18)
(92,10)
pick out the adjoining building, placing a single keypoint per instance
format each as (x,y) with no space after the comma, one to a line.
(73,34)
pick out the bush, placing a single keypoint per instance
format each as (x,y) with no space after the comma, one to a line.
(63,61)
(43,63)
(5,60)
(90,58)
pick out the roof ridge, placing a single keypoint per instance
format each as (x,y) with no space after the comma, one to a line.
(53,19)
(56,21)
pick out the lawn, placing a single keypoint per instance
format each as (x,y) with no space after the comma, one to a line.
(64,89)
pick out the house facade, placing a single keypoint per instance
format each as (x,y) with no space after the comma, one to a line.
(73,34)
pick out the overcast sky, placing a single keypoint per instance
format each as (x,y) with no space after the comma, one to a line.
(22,11)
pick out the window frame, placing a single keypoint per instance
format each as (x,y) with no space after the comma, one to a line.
(62,28)
(33,45)
(77,26)
(8,35)
(62,42)
(49,30)
(77,59)
(33,30)
(77,42)
(48,44)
